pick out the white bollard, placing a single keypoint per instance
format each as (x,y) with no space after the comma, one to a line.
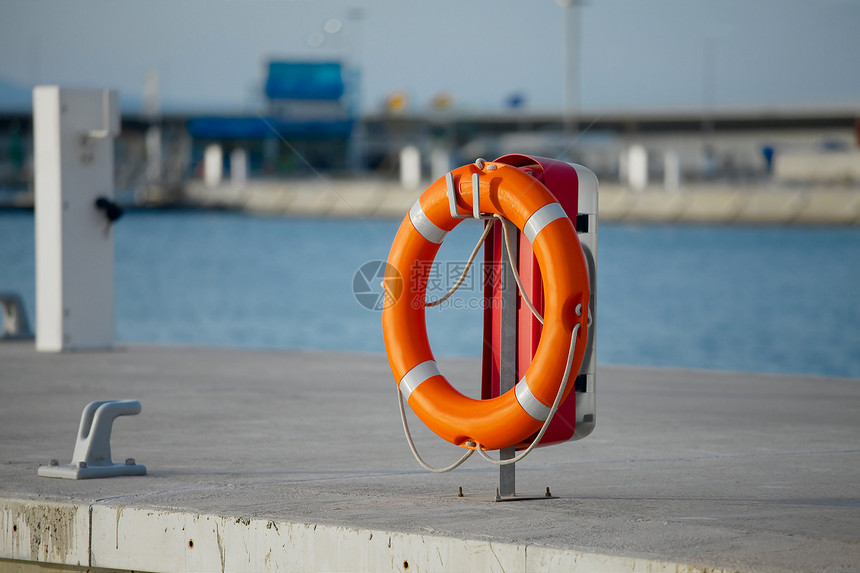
(213,165)
(410,167)
(73,133)
(238,167)
(671,170)
(637,167)
(440,163)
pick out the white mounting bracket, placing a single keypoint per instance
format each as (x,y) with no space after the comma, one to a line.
(110,118)
(92,449)
(476,194)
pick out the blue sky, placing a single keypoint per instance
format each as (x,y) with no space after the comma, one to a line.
(634,54)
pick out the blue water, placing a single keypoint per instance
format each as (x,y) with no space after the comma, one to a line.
(761,299)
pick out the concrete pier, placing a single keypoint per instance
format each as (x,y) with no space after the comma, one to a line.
(731,204)
(295,461)
(694,204)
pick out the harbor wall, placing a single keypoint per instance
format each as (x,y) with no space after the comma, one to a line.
(699,204)
(734,204)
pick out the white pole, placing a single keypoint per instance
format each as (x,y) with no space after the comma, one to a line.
(213,165)
(238,166)
(152,138)
(637,167)
(152,144)
(440,162)
(570,62)
(73,134)
(410,167)
(671,170)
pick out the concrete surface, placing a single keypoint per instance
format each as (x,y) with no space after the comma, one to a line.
(265,460)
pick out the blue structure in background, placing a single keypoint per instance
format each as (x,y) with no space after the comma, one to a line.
(305,81)
(254,128)
(307,106)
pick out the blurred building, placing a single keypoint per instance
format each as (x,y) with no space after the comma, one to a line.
(309,125)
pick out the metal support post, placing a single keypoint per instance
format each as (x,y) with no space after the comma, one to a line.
(508,359)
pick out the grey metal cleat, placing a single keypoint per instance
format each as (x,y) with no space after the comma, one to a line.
(92,457)
(15,324)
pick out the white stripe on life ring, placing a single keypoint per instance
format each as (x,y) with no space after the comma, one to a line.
(541,218)
(533,407)
(419,373)
(425,226)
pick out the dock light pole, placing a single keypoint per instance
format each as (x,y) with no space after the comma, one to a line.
(570,62)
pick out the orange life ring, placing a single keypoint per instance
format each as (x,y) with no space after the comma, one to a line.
(514,416)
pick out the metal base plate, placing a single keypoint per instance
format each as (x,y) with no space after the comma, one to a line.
(72,471)
(515,497)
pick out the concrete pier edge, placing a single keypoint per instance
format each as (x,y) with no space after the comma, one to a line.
(109,536)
